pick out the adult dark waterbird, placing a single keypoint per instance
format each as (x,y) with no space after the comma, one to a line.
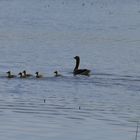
(78,71)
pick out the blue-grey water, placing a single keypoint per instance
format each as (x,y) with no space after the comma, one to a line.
(44,36)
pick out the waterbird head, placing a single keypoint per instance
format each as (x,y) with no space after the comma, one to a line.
(37,73)
(8,72)
(56,72)
(20,73)
(24,71)
(76,57)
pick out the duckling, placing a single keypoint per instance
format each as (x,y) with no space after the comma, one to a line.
(56,74)
(26,75)
(10,75)
(77,71)
(38,75)
(21,75)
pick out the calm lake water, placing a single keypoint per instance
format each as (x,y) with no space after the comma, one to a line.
(44,36)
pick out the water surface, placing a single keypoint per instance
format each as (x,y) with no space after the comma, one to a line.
(44,36)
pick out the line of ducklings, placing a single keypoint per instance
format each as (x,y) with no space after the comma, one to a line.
(76,71)
(24,74)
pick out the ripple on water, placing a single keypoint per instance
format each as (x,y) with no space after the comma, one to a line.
(27,98)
